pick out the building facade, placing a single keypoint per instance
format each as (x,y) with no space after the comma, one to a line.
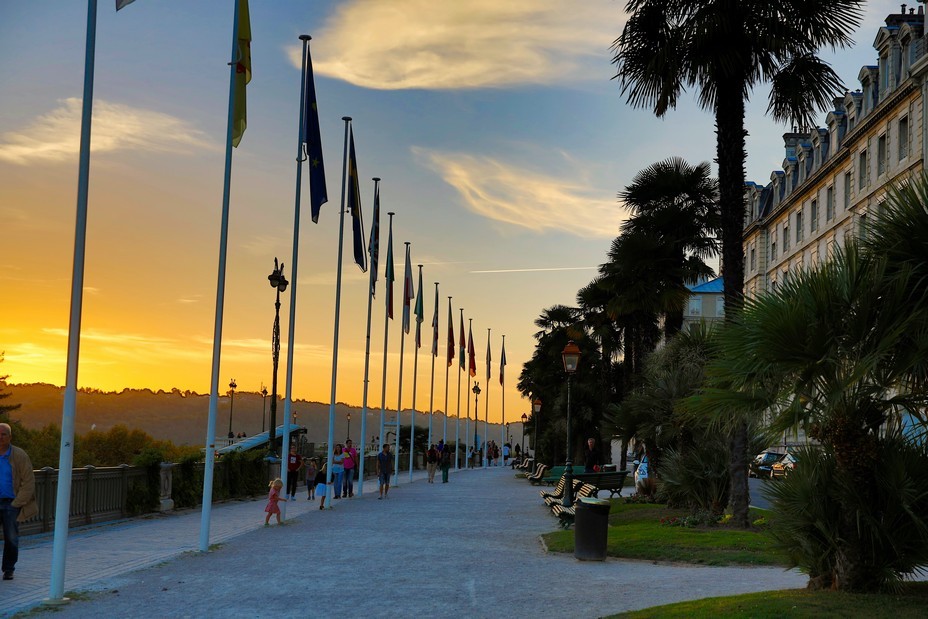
(835,177)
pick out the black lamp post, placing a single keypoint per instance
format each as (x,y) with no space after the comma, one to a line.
(349,428)
(476,391)
(524,419)
(571,356)
(263,406)
(278,281)
(536,409)
(232,387)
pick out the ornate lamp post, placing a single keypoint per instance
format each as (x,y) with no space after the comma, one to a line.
(349,427)
(278,281)
(263,406)
(524,419)
(476,391)
(571,357)
(536,409)
(232,387)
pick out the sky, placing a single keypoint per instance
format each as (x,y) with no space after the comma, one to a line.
(496,128)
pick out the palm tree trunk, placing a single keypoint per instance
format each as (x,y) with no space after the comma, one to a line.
(729,122)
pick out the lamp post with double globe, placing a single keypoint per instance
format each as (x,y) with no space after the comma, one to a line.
(536,410)
(232,387)
(263,406)
(571,357)
(524,419)
(476,391)
(279,282)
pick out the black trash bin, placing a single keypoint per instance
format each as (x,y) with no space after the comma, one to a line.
(591,524)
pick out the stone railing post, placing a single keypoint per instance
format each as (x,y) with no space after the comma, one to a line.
(48,498)
(89,493)
(123,487)
(167,485)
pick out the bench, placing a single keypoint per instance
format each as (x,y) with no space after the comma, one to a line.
(554,474)
(540,471)
(613,481)
(565,515)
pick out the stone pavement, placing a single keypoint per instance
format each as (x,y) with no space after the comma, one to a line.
(470,547)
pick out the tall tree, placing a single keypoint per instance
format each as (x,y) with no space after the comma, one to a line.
(723,49)
(5,409)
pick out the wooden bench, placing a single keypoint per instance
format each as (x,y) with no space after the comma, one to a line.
(526,464)
(557,492)
(613,481)
(554,474)
(540,470)
(551,499)
(565,515)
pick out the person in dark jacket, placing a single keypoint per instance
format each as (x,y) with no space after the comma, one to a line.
(592,459)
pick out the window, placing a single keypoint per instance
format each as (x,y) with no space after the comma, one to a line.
(813,216)
(720,306)
(773,248)
(862,227)
(695,308)
(753,258)
(798,226)
(903,137)
(862,170)
(785,238)
(847,191)
(881,155)
(830,204)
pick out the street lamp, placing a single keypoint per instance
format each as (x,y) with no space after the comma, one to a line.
(232,387)
(476,391)
(349,428)
(524,419)
(278,281)
(536,410)
(571,357)
(263,405)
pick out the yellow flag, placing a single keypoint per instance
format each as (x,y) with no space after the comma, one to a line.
(242,72)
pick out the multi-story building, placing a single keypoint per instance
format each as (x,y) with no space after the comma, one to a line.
(706,303)
(835,176)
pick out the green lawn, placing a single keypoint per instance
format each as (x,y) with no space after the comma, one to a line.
(911,602)
(635,532)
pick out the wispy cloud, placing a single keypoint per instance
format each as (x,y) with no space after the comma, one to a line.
(534,270)
(463,44)
(55,136)
(527,198)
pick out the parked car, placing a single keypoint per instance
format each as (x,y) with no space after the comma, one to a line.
(760,467)
(641,472)
(783,466)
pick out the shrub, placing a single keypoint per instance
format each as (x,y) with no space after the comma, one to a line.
(144,495)
(187,484)
(697,478)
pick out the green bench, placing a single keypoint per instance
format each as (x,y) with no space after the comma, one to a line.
(613,481)
(555,473)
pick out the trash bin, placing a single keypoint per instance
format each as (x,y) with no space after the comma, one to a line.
(608,468)
(591,524)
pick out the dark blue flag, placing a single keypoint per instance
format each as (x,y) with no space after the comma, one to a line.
(373,247)
(312,141)
(354,207)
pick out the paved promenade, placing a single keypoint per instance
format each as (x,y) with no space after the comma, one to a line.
(468,548)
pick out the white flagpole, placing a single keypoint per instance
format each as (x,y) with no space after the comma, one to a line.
(457,419)
(444,429)
(386,333)
(486,415)
(434,354)
(367,365)
(66,453)
(206,510)
(470,324)
(288,390)
(415,380)
(399,390)
(502,427)
(338,298)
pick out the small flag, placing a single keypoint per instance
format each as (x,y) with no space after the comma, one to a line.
(502,362)
(354,207)
(242,73)
(471,353)
(408,292)
(312,143)
(450,335)
(122,3)
(463,343)
(420,312)
(373,248)
(388,272)
(488,358)
(435,324)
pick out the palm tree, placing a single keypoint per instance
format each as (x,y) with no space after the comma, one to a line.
(723,49)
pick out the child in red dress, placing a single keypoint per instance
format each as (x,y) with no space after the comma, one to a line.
(273,497)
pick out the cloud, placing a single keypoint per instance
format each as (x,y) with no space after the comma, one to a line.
(525,198)
(55,136)
(426,44)
(536,270)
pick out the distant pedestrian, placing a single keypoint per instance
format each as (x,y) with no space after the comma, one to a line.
(294,464)
(17,496)
(506,448)
(351,465)
(338,469)
(445,463)
(431,462)
(592,459)
(321,486)
(470,457)
(384,470)
(273,498)
(311,471)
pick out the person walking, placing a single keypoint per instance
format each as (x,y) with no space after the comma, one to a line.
(431,462)
(17,496)
(321,486)
(384,470)
(273,498)
(311,471)
(445,463)
(294,464)
(351,465)
(338,470)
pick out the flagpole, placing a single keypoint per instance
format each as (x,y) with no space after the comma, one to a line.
(206,510)
(66,453)
(457,419)
(415,380)
(434,354)
(502,427)
(470,324)
(444,429)
(388,304)
(486,408)
(367,363)
(399,390)
(338,298)
(288,390)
